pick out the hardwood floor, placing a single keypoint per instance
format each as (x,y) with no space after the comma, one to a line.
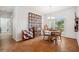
(39,45)
(6,41)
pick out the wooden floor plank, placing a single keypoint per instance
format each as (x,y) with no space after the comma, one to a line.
(39,45)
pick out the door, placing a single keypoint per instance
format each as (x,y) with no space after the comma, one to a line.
(5,25)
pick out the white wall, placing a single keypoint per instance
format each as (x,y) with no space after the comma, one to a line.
(68,22)
(20,20)
(77,34)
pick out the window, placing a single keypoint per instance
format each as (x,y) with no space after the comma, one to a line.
(59,24)
(56,22)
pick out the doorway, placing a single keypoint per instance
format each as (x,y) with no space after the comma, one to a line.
(5,32)
(5,25)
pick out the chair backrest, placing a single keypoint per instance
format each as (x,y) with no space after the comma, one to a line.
(45,27)
(45,30)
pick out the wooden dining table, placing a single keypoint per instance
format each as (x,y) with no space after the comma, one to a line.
(54,35)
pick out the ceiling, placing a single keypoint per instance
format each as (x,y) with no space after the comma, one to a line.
(40,9)
(6,8)
(49,9)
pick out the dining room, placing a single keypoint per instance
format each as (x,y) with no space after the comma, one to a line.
(44,28)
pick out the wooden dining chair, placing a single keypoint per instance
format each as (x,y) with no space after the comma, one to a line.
(46,33)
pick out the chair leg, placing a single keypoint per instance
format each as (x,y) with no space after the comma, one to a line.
(43,37)
(60,38)
(56,41)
